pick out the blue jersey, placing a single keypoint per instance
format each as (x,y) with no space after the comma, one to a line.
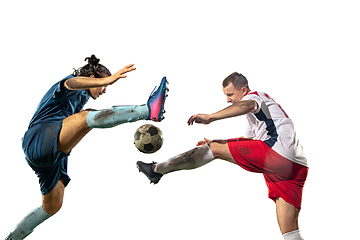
(41,139)
(59,103)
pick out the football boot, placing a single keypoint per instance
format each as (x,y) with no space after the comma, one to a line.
(156,102)
(146,168)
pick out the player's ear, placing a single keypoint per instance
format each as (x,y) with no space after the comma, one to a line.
(243,90)
(92,76)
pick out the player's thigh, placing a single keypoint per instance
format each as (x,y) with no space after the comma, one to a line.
(220,150)
(74,128)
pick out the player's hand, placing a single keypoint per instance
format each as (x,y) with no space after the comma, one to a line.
(203,142)
(200,118)
(120,74)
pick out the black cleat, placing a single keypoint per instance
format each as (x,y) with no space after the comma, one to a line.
(146,168)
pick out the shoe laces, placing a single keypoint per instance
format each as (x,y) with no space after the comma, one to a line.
(153,91)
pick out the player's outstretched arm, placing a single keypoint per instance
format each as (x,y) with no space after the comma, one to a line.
(79,83)
(237,109)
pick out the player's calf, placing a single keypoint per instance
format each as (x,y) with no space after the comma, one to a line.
(116,115)
(28,224)
(194,158)
(153,110)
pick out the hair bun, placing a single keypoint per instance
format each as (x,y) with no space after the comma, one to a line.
(93,67)
(93,60)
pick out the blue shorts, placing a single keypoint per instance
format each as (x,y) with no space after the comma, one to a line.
(40,147)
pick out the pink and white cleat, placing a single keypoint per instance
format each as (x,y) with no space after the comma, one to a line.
(156,102)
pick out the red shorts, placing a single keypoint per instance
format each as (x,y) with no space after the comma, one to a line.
(283,177)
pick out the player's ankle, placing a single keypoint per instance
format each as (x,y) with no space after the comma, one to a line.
(294,235)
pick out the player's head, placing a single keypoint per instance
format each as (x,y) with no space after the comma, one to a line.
(94,70)
(235,87)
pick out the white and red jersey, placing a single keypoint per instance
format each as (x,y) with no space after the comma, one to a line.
(271,124)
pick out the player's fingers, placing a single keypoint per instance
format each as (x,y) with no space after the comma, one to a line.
(129,69)
(207,140)
(191,120)
(130,66)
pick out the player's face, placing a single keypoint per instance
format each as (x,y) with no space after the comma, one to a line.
(97,92)
(233,94)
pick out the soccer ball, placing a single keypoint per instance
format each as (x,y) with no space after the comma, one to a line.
(148,138)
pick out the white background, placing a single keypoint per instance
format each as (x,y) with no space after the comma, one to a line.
(305,55)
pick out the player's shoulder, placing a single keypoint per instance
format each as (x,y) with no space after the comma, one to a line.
(258,94)
(60,90)
(253,95)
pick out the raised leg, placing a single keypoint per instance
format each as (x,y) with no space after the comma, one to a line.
(197,157)
(74,128)
(191,159)
(116,115)
(220,149)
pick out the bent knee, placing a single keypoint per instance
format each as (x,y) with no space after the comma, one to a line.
(52,209)
(221,150)
(52,202)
